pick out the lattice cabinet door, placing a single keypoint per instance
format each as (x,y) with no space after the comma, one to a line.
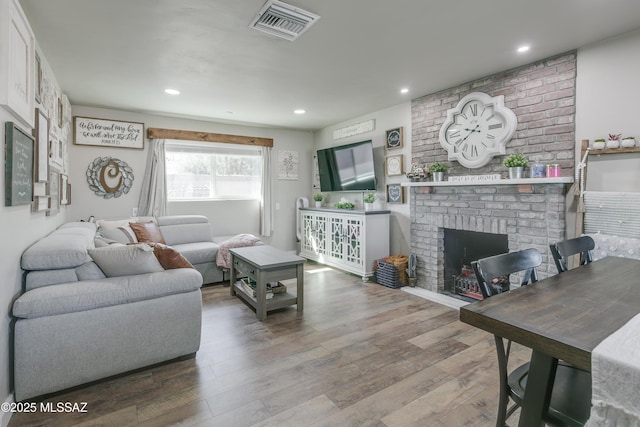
(315,234)
(353,240)
(336,242)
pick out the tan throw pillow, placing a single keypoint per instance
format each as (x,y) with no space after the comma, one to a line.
(147,232)
(168,257)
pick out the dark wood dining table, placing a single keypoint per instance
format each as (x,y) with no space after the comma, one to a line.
(561,317)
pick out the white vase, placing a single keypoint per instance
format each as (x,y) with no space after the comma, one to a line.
(318,204)
(368,206)
(598,145)
(613,143)
(628,143)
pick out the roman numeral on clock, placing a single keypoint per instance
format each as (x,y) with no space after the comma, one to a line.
(495,126)
(474,109)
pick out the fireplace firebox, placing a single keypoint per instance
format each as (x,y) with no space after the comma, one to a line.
(461,247)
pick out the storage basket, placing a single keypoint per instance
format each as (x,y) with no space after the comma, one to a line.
(400,262)
(386,274)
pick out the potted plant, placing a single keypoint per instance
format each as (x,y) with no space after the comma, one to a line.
(368,200)
(318,197)
(516,164)
(344,204)
(437,171)
(599,144)
(628,141)
(613,141)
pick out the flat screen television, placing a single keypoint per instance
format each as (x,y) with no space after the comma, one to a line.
(347,167)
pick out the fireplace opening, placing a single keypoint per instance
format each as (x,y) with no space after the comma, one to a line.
(460,248)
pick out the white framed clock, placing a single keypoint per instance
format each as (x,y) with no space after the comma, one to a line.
(477,129)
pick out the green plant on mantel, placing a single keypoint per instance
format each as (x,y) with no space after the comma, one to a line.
(599,140)
(369,198)
(438,167)
(318,197)
(516,161)
(629,137)
(344,204)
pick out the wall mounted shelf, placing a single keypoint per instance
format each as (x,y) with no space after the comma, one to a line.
(529,181)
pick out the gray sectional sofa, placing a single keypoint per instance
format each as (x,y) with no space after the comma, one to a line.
(75,325)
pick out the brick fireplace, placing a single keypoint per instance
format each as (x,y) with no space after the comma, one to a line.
(542,95)
(531,216)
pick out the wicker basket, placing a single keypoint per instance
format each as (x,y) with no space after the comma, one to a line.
(400,262)
(386,274)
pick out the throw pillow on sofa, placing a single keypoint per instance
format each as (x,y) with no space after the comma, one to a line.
(147,232)
(168,257)
(128,260)
(118,230)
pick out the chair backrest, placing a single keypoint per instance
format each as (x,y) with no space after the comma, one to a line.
(495,267)
(561,251)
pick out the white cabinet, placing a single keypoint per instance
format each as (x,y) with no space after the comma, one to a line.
(350,241)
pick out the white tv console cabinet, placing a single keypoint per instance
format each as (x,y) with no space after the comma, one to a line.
(349,240)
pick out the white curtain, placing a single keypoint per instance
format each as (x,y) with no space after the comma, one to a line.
(266,212)
(153,197)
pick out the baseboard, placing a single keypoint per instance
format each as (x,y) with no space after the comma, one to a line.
(5,417)
(435,297)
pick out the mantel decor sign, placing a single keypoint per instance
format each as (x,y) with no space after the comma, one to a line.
(108,133)
(109,177)
(475,178)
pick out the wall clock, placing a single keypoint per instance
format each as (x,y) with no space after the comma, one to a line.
(477,129)
(394,138)
(394,165)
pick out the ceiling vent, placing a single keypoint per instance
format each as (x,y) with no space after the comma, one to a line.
(283,20)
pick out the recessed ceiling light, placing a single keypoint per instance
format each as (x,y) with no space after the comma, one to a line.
(522,49)
(404,90)
(172,91)
(299,111)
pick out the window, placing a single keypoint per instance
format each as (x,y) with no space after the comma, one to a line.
(207,171)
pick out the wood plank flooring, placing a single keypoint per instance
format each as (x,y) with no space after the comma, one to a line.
(359,355)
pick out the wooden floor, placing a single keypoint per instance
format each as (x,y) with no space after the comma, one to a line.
(360,355)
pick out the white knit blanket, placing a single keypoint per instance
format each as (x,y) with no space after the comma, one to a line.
(223,258)
(615,377)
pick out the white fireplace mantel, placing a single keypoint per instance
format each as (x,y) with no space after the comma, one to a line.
(560,180)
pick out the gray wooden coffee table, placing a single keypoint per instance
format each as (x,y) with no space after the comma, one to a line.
(266,264)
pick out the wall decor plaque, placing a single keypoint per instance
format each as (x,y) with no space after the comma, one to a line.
(107,133)
(109,177)
(18,179)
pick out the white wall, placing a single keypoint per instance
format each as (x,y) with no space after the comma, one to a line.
(228,217)
(607,97)
(390,118)
(19,228)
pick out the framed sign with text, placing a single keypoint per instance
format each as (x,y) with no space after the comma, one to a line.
(108,133)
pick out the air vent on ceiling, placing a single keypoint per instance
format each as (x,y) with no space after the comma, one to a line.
(283,20)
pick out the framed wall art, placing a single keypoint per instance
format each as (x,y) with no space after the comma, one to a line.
(108,133)
(41,133)
(394,138)
(40,204)
(64,189)
(395,193)
(54,193)
(18,178)
(393,165)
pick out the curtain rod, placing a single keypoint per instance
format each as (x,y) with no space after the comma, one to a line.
(187,135)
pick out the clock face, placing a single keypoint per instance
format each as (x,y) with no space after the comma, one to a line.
(477,129)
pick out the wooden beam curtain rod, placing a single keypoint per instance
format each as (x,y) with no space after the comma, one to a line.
(187,135)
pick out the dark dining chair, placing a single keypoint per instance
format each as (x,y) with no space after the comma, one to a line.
(561,251)
(571,395)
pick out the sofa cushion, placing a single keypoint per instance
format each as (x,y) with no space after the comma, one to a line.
(92,294)
(168,257)
(65,247)
(147,232)
(180,229)
(199,252)
(128,260)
